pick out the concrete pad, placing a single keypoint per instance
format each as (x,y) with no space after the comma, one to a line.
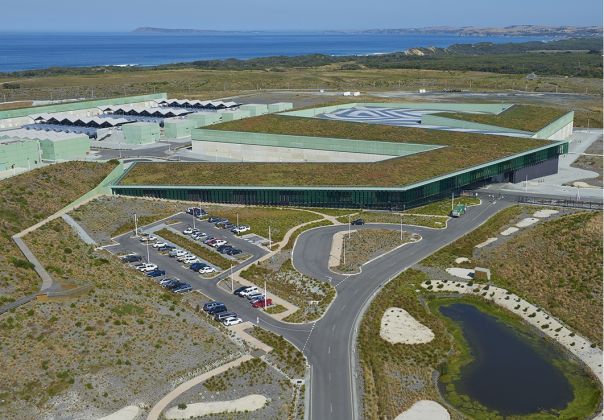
(461,260)
(526,222)
(423,410)
(337,242)
(544,214)
(462,273)
(127,413)
(398,326)
(251,402)
(510,231)
(485,243)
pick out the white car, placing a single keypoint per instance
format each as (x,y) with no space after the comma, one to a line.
(180,253)
(159,244)
(240,229)
(219,242)
(148,267)
(184,257)
(148,238)
(250,291)
(190,260)
(232,321)
(206,270)
(188,231)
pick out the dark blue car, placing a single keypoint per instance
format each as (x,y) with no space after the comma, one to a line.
(156,273)
(197,266)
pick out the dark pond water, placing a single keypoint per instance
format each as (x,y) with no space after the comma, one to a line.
(509,373)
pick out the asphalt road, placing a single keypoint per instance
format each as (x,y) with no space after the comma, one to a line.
(329,343)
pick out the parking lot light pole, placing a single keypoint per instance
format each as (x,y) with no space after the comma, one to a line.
(237,219)
(401,228)
(349,226)
(232,283)
(135,226)
(265,295)
(270,242)
(148,259)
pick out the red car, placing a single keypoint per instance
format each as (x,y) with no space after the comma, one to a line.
(262,303)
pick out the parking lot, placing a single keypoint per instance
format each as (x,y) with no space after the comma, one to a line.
(130,244)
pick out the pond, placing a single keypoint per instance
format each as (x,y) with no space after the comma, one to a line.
(510,373)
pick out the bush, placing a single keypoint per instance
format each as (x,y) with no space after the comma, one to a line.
(182,406)
(19,263)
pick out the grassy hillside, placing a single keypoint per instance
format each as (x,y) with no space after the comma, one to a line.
(30,198)
(122,342)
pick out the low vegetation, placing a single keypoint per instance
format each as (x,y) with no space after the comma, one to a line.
(287,357)
(208,255)
(123,341)
(396,375)
(29,198)
(107,217)
(365,244)
(520,117)
(592,161)
(556,265)
(310,295)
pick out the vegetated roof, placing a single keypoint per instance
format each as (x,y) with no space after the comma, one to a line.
(463,150)
(520,117)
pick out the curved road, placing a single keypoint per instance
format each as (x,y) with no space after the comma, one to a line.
(331,345)
(328,343)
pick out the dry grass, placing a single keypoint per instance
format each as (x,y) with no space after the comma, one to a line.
(106,217)
(397,375)
(29,198)
(121,343)
(519,117)
(365,244)
(556,265)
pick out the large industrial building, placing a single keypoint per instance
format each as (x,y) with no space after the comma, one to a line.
(370,155)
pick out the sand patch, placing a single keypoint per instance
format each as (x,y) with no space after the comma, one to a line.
(461,260)
(248,403)
(581,184)
(485,243)
(423,410)
(398,326)
(510,231)
(544,214)
(526,222)
(462,273)
(127,413)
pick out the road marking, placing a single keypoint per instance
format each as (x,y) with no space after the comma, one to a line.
(329,376)
(309,334)
(329,351)
(331,407)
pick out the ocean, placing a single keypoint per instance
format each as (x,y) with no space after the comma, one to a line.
(27,51)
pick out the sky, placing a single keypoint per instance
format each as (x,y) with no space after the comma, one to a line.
(126,15)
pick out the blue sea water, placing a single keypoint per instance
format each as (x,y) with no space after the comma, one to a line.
(26,51)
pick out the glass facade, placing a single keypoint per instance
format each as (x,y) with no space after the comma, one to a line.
(370,198)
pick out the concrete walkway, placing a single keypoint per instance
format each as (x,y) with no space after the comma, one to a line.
(47,282)
(239,329)
(182,388)
(84,236)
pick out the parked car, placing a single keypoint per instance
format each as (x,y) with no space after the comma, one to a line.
(220,222)
(211,304)
(167,280)
(262,303)
(159,244)
(233,251)
(147,238)
(165,248)
(179,253)
(197,266)
(156,273)
(186,287)
(174,253)
(208,240)
(148,267)
(218,242)
(256,298)
(249,291)
(358,222)
(231,321)
(223,248)
(227,225)
(239,290)
(188,231)
(217,309)
(240,229)
(131,258)
(183,257)
(206,270)
(253,296)
(224,315)
(190,260)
